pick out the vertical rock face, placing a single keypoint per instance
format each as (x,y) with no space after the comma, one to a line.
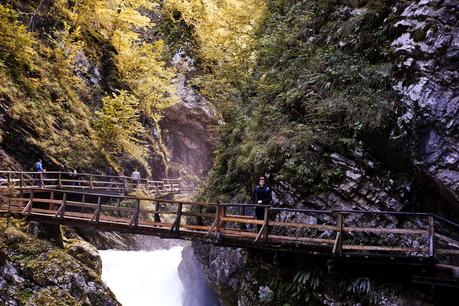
(35,272)
(418,161)
(197,292)
(429,86)
(188,125)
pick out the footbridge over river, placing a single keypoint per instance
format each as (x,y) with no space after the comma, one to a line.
(403,238)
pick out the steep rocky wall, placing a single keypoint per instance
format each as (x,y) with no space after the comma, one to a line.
(428,78)
(187,126)
(33,271)
(410,165)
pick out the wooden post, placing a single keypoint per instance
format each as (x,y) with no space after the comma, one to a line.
(59,181)
(135,218)
(218,216)
(91,187)
(28,208)
(157,207)
(431,237)
(61,211)
(265,235)
(125,186)
(264,229)
(96,216)
(337,247)
(42,184)
(21,180)
(176,225)
(118,203)
(51,201)
(9,179)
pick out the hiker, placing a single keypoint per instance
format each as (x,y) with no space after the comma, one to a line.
(74,177)
(135,177)
(38,167)
(262,195)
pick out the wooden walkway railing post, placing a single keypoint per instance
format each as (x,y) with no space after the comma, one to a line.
(338,245)
(61,211)
(118,211)
(176,225)
(42,183)
(218,216)
(125,186)
(28,209)
(264,229)
(431,237)
(91,186)
(135,218)
(96,216)
(156,217)
(21,180)
(51,201)
(59,180)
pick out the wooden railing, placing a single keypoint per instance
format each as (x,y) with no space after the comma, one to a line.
(421,236)
(85,181)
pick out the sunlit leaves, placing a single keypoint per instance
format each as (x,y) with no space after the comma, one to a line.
(117,122)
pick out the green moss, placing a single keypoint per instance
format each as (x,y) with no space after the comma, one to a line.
(419,35)
(321,84)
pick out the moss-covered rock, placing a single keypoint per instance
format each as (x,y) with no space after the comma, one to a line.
(37,272)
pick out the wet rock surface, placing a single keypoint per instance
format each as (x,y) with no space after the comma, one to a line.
(197,291)
(428,49)
(187,125)
(413,168)
(36,272)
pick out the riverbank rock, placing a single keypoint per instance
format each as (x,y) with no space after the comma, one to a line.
(36,272)
(197,291)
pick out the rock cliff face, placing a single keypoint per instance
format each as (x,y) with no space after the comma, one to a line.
(33,271)
(412,166)
(428,84)
(188,125)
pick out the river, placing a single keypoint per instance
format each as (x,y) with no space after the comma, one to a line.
(144,278)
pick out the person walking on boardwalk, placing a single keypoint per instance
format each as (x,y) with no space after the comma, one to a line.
(262,195)
(135,177)
(38,167)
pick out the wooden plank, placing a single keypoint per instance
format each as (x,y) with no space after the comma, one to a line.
(322,227)
(335,245)
(196,227)
(431,237)
(245,221)
(301,239)
(447,252)
(450,241)
(382,248)
(385,230)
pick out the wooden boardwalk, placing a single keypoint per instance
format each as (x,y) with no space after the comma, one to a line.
(417,236)
(383,237)
(86,182)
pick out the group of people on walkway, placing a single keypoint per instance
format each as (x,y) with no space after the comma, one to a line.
(73,174)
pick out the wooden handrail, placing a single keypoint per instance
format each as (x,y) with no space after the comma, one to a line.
(124,213)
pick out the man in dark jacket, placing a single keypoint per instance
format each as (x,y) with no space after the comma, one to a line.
(262,196)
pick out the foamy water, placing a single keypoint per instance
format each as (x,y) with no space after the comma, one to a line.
(144,278)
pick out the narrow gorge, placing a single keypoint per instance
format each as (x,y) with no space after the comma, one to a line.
(341,106)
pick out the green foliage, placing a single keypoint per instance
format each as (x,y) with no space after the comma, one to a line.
(118,122)
(17,46)
(364,288)
(319,82)
(301,289)
(54,79)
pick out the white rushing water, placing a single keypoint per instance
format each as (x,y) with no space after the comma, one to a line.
(144,278)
